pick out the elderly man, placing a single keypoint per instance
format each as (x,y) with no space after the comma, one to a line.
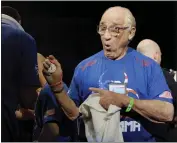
(163,132)
(117,64)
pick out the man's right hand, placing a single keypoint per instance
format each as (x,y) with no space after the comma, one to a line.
(25,114)
(55,77)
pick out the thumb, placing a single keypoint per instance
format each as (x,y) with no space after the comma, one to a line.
(30,110)
(54,60)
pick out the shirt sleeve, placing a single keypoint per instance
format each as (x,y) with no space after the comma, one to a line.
(157,85)
(73,91)
(52,113)
(49,110)
(29,74)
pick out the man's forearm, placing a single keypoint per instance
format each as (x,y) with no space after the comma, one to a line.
(154,109)
(68,105)
(49,133)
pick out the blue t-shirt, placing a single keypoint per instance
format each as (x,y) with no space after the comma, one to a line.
(48,110)
(18,62)
(143,77)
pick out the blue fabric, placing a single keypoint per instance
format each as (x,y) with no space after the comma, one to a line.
(144,78)
(6,19)
(47,102)
(18,61)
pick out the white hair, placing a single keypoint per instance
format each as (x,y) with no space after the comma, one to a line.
(129,19)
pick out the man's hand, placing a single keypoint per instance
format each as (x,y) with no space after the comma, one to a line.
(55,81)
(108,97)
(24,114)
(55,77)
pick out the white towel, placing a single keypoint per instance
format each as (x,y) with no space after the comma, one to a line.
(101,125)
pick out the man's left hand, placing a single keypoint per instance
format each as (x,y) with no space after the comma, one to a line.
(108,97)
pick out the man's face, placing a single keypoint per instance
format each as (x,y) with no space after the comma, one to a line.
(114,33)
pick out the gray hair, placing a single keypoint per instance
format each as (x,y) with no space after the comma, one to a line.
(129,19)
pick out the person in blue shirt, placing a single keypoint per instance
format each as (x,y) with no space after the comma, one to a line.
(19,76)
(51,122)
(147,96)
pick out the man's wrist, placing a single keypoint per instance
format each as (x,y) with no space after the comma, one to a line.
(126,101)
(130,105)
(58,89)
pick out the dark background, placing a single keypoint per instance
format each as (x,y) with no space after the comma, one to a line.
(68,29)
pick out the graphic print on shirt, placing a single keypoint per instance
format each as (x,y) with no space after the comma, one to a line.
(128,125)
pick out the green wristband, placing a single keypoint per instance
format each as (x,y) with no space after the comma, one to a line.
(130,105)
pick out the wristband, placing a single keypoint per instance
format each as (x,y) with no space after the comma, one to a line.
(56,84)
(58,90)
(130,105)
(57,87)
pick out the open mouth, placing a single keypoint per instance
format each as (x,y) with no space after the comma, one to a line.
(107,45)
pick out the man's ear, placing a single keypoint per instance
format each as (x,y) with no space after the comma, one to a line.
(132,33)
(155,57)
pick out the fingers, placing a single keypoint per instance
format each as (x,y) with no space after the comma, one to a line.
(104,102)
(97,90)
(45,69)
(30,110)
(46,65)
(45,72)
(18,114)
(51,57)
(53,60)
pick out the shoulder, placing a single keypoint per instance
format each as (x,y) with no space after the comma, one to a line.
(143,60)
(90,60)
(10,32)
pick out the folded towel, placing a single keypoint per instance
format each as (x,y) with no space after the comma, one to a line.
(101,125)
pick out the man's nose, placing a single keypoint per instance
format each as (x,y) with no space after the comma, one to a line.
(107,35)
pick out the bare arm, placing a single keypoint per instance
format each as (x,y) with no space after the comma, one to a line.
(24,114)
(68,105)
(49,133)
(55,81)
(154,110)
